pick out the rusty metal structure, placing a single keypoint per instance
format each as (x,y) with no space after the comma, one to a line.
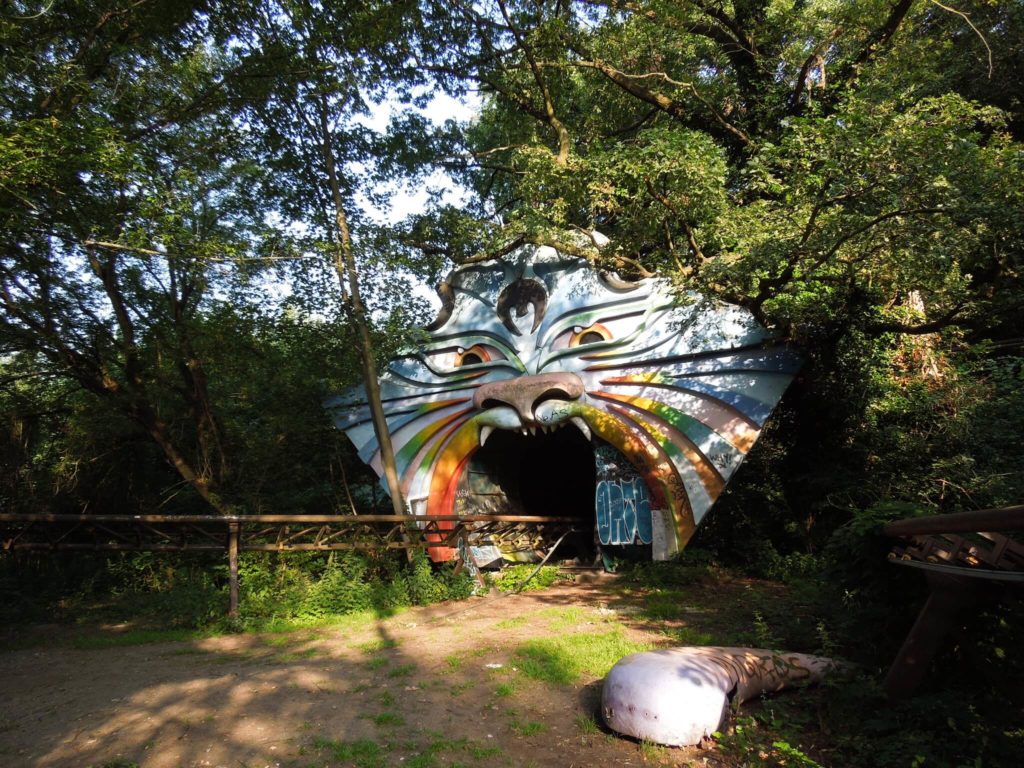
(958,554)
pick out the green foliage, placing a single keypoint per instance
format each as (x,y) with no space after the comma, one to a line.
(313,587)
(188,593)
(513,578)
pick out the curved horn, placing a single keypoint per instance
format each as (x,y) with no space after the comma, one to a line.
(447,295)
(616,283)
(520,295)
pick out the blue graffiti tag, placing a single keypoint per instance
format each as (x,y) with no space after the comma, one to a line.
(623,512)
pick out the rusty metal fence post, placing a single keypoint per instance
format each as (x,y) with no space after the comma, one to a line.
(233,532)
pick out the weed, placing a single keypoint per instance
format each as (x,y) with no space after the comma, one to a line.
(587,725)
(480,752)
(423,760)
(386,699)
(505,689)
(377,662)
(388,720)
(515,621)
(689,636)
(454,661)
(362,753)
(763,635)
(531,728)
(460,688)
(373,646)
(513,578)
(794,756)
(651,752)
(403,670)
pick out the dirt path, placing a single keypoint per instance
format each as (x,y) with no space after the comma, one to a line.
(435,686)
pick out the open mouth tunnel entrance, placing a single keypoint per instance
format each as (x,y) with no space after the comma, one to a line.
(550,474)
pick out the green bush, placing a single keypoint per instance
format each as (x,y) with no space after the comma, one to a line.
(190,590)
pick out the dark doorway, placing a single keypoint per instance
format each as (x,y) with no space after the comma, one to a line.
(549,474)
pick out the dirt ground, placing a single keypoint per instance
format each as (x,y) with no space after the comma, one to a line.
(434,686)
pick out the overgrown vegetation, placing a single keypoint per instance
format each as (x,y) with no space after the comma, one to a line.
(179,188)
(177,597)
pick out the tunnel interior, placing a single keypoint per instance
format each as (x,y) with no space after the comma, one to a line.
(547,474)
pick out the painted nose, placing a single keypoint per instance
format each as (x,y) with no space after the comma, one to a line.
(527,392)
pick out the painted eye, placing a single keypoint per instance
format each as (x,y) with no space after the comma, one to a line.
(475,355)
(594,334)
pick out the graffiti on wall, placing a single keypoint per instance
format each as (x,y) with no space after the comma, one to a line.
(679,387)
(623,510)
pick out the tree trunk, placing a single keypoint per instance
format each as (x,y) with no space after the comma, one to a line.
(345,266)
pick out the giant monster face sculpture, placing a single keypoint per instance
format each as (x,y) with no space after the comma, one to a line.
(678,390)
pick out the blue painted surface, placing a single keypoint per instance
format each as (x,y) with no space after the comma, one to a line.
(623,512)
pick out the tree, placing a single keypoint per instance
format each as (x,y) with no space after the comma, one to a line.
(814,163)
(326,62)
(124,204)
(850,173)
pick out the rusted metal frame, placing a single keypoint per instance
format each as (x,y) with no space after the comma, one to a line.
(338,547)
(452,536)
(234,531)
(112,547)
(156,532)
(263,519)
(285,537)
(1001,519)
(67,533)
(203,533)
(397,531)
(949,594)
(961,571)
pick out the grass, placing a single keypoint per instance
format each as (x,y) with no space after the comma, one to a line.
(587,725)
(513,577)
(138,637)
(442,745)
(281,641)
(377,662)
(530,728)
(689,636)
(404,670)
(306,653)
(375,646)
(651,752)
(388,720)
(565,659)
(505,689)
(454,661)
(361,753)
(564,618)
